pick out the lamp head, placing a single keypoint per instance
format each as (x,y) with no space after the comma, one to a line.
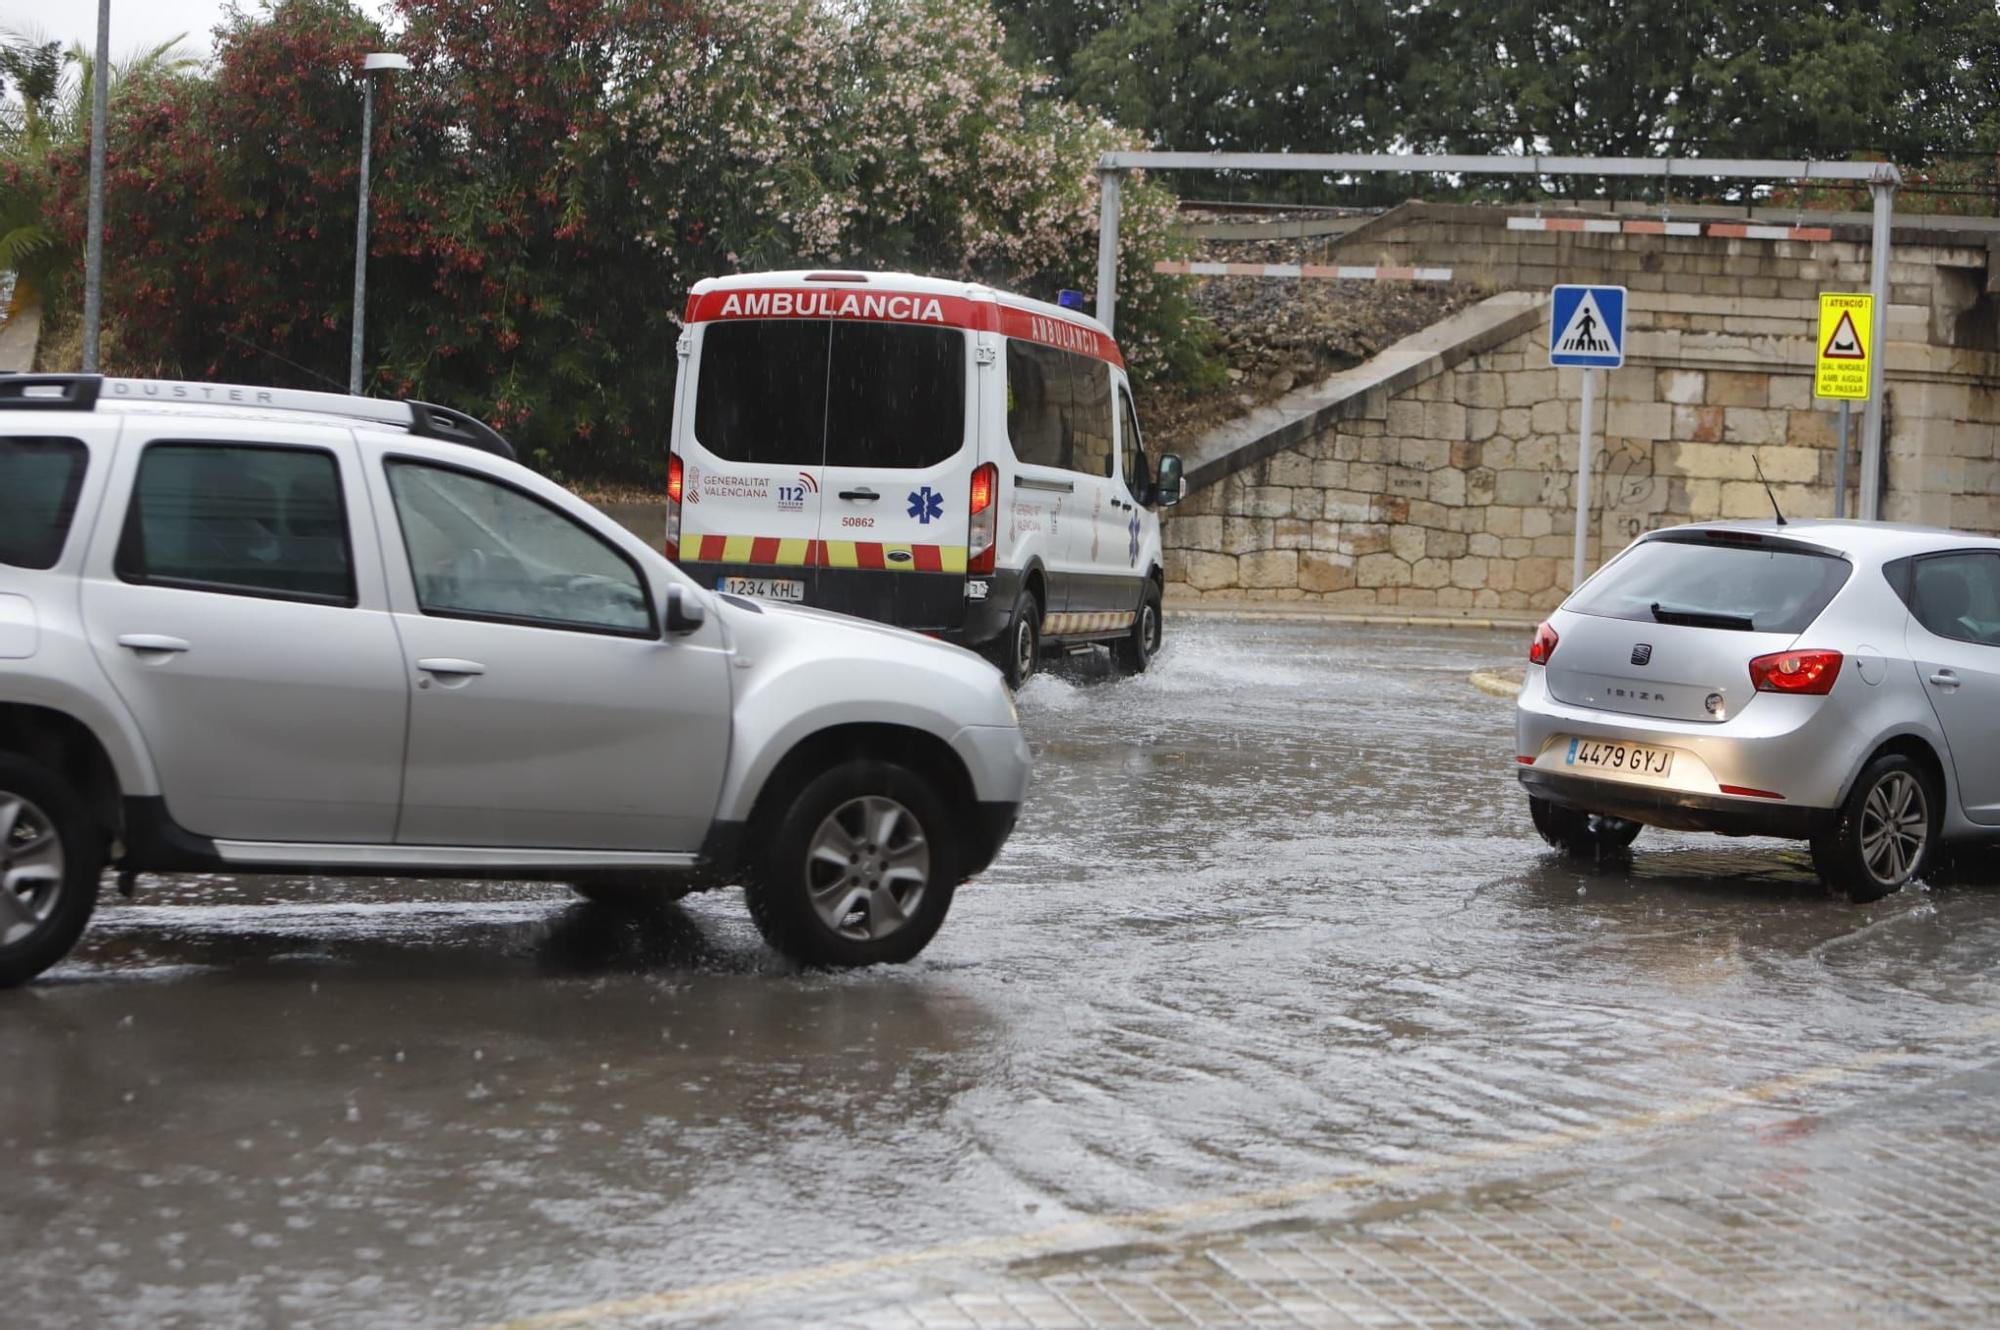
(384,60)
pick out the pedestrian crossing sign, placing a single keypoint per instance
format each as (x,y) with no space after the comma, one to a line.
(1587,327)
(1846,322)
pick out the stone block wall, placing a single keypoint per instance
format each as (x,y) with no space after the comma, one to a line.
(1457,493)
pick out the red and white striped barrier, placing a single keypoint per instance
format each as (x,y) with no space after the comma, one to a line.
(1334,271)
(1723,230)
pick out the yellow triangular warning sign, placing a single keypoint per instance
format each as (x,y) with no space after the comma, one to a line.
(1845,344)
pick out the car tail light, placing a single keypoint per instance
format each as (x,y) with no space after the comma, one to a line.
(676,478)
(980,546)
(1809,673)
(1544,644)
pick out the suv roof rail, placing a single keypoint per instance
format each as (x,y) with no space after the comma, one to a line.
(443,423)
(83,392)
(49,392)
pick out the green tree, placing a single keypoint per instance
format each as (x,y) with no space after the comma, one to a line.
(49,118)
(1912,80)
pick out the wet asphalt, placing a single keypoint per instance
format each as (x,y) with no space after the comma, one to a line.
(1274,912)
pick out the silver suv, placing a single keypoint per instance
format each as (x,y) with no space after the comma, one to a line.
(1836,682)
(251,630)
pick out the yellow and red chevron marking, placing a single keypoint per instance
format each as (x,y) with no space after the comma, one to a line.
(882,556)
(1066,625)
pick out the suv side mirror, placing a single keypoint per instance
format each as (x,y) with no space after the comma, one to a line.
(1168,490)
(684,613)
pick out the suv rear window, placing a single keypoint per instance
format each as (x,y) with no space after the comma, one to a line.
(793,392)
(240,519)
(39,481)
(1763,587)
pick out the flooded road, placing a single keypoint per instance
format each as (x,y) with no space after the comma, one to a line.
(1275,916)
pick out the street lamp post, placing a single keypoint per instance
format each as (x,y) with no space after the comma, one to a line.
(93,243)
(369,67)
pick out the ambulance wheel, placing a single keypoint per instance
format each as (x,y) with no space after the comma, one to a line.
(1136,652)
(1021,646)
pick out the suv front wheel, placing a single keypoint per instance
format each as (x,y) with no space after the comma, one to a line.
(51,856)
(859,869)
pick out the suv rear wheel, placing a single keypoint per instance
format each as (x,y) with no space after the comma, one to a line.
(51,855)
(859,869)
(1885,835)
(1581,835)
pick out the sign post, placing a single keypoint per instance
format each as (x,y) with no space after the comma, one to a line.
(1841,370)
(1586,330)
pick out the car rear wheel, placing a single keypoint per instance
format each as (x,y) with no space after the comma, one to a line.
(1135,653)
(1581,835)
(51,856)
(859,869)
(1885,836)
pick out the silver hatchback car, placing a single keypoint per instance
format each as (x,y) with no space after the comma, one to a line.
(1835,682)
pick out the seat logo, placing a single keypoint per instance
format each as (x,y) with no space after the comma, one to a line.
(1642,653)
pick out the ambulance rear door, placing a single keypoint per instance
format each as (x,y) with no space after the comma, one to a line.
(900,445)
(753,480)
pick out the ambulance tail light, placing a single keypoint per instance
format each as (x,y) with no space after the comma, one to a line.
(676,479)
(981,545)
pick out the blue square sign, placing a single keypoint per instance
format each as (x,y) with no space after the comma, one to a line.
(1587,327)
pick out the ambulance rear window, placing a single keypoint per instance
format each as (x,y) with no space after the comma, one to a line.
(761,397)
(895,395)
(799,392)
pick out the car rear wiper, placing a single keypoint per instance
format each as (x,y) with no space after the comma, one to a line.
(1741,623)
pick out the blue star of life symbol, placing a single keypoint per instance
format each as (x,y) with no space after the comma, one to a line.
(927,505)
(1133,557)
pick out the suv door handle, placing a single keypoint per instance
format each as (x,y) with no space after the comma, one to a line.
(869,495)
(144,642)
(446,667)
(1945,679)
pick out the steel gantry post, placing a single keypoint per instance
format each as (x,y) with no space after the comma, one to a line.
(1107,246)
(1883,186)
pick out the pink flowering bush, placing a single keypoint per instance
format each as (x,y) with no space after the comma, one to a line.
(805,132)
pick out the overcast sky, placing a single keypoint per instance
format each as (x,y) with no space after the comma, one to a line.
(135,24)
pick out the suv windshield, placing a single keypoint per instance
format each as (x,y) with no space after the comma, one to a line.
(792,392)
(1708,583)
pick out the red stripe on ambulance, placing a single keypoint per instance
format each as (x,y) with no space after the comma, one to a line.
(1028,325)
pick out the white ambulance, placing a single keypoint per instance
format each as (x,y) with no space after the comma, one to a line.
(932,454)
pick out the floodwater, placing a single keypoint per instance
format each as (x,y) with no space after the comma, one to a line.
(1275,912)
